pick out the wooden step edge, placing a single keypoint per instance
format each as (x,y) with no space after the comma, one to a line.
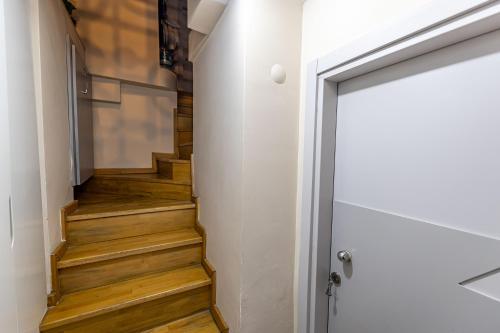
(186,320)
(123,171)
(174,161)
(130,252)
(156,156)
(125,212)
(116,307)
(137,178)
(187,144)
(186,112)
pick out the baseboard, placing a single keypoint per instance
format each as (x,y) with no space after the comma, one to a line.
(221,323)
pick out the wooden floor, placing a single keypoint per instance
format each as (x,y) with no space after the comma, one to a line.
(133,263)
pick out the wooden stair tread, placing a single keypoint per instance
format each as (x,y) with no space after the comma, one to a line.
(93,302)
(145,177)
(118,248)
(94,205)
(202,322)
(174,160)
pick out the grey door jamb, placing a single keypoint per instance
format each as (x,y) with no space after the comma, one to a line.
(440,24)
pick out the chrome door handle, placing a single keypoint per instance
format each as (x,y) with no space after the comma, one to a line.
(85,92)
(344,256)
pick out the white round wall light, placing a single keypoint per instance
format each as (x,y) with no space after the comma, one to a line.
(278,74)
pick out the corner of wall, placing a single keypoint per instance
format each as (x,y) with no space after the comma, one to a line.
(49,52)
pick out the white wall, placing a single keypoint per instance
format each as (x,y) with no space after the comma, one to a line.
(218,124)
(8,310)
(126,133)
(121,39)
(25,247)
(49,51)
(270,165)
(245,147)
(329,24)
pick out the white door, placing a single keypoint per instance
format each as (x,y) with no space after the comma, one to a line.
(417,195)
(82,118)
(23,298)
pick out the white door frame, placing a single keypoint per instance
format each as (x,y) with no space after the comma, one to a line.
(440,24)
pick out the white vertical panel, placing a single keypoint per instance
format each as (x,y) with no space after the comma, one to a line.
(24,169)
(8,314)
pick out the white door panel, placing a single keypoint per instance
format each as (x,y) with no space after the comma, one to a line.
(421,138)
(82,118)
(405,276)
(417,191)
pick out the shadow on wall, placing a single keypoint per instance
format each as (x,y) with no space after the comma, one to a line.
(121,37)
(126,134)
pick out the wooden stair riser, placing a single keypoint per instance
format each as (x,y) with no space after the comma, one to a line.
(92,275)
(143,316)
(116,227)
(175,170)
(141,188)
(197,323)
(185,137)
(185,110)
(185,152)
(184,124)
(184,99)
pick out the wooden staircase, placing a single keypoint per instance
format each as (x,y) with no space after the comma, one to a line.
(133,258)
(184,125)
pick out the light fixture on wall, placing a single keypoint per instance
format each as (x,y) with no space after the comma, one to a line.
(278,74)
